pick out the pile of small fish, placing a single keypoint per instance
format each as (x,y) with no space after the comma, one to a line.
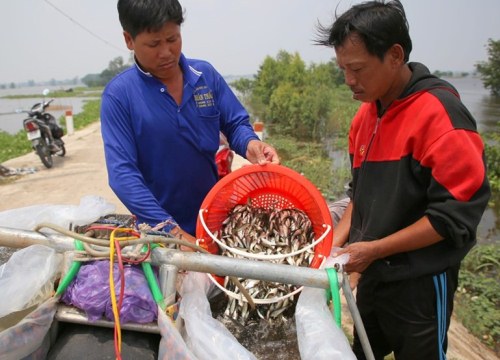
(264,231)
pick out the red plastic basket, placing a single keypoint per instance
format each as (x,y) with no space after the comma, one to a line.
(267,186)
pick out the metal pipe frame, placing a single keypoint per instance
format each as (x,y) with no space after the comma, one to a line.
(211,264)
(18,239)
(243,268)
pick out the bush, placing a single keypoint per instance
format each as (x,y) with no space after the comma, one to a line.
(478,295)
(13,145)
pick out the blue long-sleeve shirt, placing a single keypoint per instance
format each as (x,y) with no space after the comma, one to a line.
(160,156)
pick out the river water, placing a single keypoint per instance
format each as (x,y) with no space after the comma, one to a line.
(484,107)
(486,110)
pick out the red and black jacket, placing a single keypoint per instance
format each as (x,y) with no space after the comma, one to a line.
(423,156)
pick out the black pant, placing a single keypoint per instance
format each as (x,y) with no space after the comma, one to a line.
(409,317)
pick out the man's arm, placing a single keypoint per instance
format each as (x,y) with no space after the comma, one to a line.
(341,231)
(416,236)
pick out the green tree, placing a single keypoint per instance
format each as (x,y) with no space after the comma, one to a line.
(300,112)
(267,80)
(326,74)
(115,66)
(490,70)
(244,86)
(92,80)
(293,99)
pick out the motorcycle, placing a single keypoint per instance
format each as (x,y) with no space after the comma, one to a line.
(44,132)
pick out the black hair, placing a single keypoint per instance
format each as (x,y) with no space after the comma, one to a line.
(137,16)
(378,24)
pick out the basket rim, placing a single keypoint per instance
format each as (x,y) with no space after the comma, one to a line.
(257,168)
(246,170)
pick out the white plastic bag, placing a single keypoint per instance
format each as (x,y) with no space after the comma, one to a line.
(27,337)
(318,335)
(172,345)
(91,208)
(207,338)
(28,278)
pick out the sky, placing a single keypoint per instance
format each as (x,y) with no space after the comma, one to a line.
(63,39)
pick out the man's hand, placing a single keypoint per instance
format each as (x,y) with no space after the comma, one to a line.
(180,234)
(259,152)
(416,236)
(361,255)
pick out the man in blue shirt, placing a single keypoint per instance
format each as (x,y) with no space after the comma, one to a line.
(160,122)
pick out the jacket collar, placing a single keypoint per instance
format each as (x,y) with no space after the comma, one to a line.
(191,75)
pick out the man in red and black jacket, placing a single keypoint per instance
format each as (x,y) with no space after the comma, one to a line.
(419,185)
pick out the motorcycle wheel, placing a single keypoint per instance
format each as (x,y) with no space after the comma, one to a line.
(43,151)
(61,152)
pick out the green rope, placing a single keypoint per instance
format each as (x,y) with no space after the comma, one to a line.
(73,270)
(152,282)
(334,294)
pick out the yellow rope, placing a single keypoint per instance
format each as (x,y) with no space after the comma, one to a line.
(116,312)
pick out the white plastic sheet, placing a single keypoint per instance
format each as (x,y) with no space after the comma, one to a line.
(26,338)
(172,345)
(28,277)
(91,208)
(318,335)
(205,336)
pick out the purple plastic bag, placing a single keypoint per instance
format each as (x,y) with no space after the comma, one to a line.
(89,291)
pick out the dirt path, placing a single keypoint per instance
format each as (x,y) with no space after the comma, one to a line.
(82,172)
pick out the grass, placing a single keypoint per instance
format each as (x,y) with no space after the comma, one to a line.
(13,145)
(477,302)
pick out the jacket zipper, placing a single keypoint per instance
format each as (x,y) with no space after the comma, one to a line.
(370,142)
(362,166)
